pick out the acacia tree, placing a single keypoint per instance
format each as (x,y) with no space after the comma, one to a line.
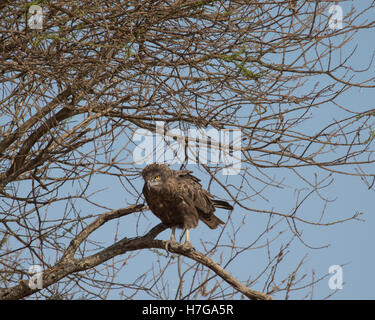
(74,92)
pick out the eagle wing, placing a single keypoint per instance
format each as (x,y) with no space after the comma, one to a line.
(195,196)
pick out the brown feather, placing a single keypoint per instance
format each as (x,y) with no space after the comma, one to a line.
(178,199)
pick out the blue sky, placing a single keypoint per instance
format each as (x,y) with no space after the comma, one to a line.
(349,244)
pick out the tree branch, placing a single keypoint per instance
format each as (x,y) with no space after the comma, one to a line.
(69,265)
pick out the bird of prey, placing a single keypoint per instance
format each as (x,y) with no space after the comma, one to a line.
(179,201)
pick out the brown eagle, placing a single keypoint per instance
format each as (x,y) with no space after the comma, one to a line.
(178,199)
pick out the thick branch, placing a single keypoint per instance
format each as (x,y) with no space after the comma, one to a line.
(68,265)
(102,219)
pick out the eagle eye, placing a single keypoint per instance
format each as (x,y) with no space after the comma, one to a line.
(157,178)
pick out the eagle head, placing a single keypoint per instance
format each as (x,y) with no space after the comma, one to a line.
(156,174)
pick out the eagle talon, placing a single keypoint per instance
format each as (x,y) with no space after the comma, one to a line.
(170,244)
(188,246)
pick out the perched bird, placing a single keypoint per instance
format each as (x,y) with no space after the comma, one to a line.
(178,200)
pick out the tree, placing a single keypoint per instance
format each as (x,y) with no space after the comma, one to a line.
(75,91)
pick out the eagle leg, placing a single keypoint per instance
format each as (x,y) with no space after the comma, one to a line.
(171,242)
(187,245)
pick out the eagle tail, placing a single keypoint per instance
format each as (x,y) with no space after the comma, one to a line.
(222,204)
(212,221)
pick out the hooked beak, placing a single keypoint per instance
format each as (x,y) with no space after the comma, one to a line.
(150,184)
